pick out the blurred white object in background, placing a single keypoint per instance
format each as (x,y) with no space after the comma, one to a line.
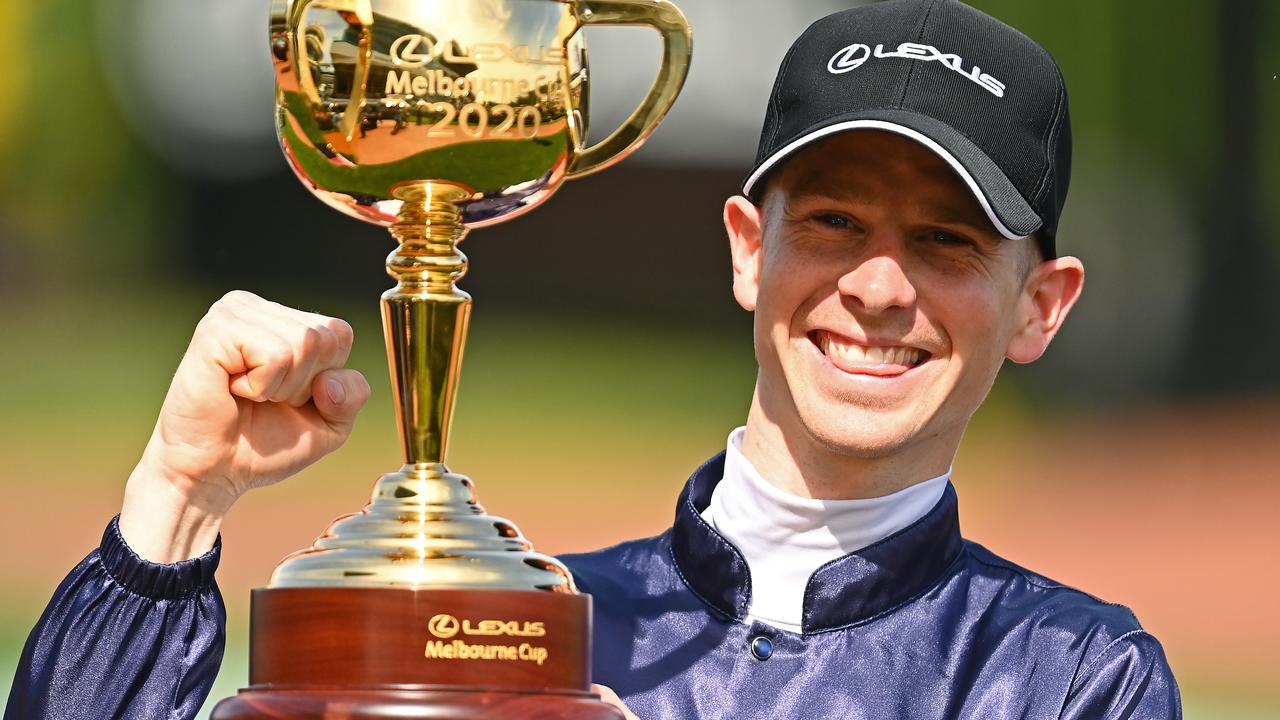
(194,79)
(737,47)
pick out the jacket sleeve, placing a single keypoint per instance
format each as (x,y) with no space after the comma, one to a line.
(1129,680)
(124,638)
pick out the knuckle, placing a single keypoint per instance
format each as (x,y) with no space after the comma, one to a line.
(279,355)
(205,325)
(218,313)
(328,340)
(342,330)
(236,296)
(311,340)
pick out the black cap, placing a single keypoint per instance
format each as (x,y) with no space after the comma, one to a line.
(980,94)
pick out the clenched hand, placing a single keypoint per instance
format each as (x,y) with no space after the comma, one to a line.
(260,394)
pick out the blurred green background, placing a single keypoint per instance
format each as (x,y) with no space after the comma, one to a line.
(140,181)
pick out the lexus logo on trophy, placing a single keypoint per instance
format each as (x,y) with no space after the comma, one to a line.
(413,51)
(432,117)
(443,626)
(407,50)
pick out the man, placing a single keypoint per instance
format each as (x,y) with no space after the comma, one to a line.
(896,243)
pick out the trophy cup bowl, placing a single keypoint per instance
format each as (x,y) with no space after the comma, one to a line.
(430,117)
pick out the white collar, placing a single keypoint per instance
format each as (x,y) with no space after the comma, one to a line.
(785,538)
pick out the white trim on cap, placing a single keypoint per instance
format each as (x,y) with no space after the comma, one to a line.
(893,128)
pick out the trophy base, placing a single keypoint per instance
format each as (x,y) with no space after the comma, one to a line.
(388,704)
(370,653)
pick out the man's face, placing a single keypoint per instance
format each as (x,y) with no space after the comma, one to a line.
(884,300)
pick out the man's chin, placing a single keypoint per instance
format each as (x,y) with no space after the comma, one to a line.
(863,438)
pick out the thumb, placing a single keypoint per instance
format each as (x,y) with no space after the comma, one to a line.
(338,395)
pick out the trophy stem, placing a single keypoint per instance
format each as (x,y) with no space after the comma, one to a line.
(423,527)
(425,316)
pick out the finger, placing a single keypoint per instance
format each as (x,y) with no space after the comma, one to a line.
(234,352)
(319,342)
(313,348)
(326,345)
(257,360)
(338,395)
(345,338)
(611,698)
(336,338)
(341,329)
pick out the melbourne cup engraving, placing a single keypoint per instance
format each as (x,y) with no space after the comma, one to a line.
(432,117)
(490,95)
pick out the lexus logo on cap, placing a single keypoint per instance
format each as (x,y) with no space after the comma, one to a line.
(848,58)
(853,56)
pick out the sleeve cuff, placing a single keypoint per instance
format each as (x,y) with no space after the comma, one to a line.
(174,581)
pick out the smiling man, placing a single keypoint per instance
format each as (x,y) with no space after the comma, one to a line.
(884,305)
(896,244)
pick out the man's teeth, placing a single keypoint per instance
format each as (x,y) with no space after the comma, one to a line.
(864,355)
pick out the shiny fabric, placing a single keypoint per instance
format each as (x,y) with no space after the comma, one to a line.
(785,538)
(920,626)
(123,638)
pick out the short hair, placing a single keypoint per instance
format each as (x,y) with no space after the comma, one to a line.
(1031,256)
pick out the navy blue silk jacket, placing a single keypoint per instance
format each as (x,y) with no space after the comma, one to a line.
(920,626)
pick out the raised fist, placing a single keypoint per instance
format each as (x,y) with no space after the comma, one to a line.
(260,394)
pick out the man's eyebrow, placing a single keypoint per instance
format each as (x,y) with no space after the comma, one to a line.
(824,186)
(970,217)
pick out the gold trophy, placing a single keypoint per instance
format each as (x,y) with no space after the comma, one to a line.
(432,117)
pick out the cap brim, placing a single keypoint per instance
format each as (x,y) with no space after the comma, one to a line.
(1008,211)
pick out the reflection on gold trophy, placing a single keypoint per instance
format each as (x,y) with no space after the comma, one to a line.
(432,117)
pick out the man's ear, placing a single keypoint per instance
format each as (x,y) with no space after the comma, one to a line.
(1051,290)
(744,223)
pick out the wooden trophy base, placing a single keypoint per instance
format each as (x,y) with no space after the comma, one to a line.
(341,704)
(383,653)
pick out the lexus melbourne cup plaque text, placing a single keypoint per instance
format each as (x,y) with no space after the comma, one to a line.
(432,117)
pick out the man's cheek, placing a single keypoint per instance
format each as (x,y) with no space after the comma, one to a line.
(764,343)
(975,318)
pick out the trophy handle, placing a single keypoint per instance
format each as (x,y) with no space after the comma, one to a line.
(677,48)
(356,12)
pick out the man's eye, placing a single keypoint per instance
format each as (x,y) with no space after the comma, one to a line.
(834,220)
(943,237)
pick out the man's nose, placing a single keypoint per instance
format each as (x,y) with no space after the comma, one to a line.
(878,283)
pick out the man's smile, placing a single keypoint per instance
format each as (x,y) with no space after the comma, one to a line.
(875,359)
